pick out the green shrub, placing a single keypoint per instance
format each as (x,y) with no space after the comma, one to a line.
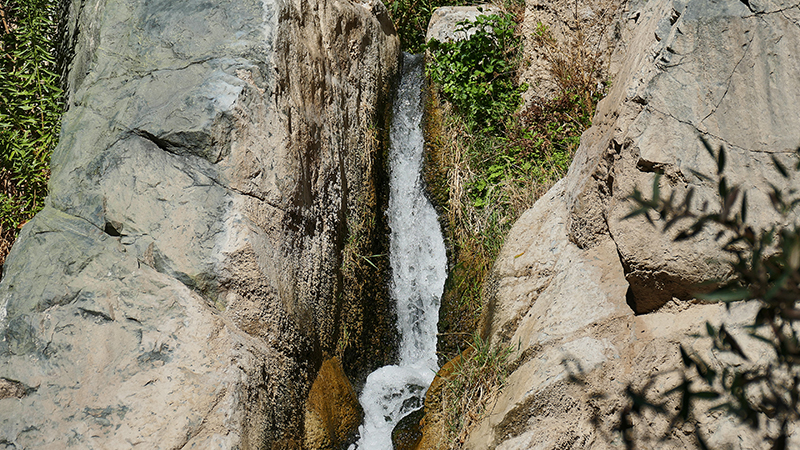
(478,75)
(29,113)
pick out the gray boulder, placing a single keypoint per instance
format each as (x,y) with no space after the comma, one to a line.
(219,167)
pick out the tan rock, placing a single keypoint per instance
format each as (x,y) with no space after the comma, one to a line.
(678,80)
(583,293)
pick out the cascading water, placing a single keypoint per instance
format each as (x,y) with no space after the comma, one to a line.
(418,259)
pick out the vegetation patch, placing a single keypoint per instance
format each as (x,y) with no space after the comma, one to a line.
(489,159)
(487,165)
(30,111)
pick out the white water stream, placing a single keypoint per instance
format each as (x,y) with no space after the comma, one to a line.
(419,267)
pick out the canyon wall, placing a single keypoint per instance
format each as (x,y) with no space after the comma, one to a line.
(578,290)
(218,176)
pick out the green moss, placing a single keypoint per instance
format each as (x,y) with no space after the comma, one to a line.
(365,337)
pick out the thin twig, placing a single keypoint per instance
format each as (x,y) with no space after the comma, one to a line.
(3,19)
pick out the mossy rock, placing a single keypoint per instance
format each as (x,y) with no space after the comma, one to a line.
(433,428)
(333,413)
(408,432)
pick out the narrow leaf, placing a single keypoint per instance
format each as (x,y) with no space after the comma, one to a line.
(700,175)
(710,330)
(656,187)
(707,395)
(708,147)
(687,360)
(779,167)
(726,295)
(730,341)
(744,207)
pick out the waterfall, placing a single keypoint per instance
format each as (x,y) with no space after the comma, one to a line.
(419,267)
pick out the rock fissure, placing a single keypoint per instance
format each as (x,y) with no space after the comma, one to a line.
(171,69)
(698,131)
(766,13)
(161,143)
(260,198)
(141,75)
(169,147)
(730,79)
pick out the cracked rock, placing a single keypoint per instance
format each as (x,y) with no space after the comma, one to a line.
(184,283)
(621,299)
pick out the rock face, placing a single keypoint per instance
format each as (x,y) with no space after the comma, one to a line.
(218,173)
(578,290)
(580,35)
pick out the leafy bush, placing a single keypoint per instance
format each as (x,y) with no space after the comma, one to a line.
(29,113)
(477,75)
(766,269)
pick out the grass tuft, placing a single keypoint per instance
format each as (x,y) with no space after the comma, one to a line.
(469,391)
